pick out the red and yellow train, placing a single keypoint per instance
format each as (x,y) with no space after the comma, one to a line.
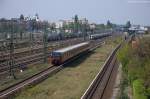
(60,56)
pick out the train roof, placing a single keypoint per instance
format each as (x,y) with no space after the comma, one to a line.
(99,34)
(71,47)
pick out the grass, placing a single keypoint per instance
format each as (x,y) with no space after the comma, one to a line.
(72,81)
(21,76)
(138,90)
(7,80)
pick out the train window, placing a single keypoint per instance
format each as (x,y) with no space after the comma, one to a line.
(66,54)
(55,54)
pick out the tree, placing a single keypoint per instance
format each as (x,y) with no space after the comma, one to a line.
(53,26)
(37,16)
(128,24)
(76,22)
(21,17)
(3,20)
(100,26)
(109,24)
(76,19)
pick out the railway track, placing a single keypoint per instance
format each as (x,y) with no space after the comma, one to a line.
(37,78)
(35,55)
(37,49)
(100,88)
(8,92)
(23,61)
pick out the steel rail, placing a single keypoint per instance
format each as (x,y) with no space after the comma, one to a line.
(98,82)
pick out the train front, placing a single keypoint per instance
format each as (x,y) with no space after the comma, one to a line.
(56,58)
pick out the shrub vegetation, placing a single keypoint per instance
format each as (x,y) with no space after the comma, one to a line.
(136,67)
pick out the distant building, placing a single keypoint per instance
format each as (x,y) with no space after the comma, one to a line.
(92,26)
(148,28)
(15,19)
(83,21)
(138,29)
(59,24)
(67,22)
(62,23)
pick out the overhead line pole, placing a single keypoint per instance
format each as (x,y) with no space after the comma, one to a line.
(11,45)
(45,42)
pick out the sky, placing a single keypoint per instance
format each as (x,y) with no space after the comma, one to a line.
(98,11)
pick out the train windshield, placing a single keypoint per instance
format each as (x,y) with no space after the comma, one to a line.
(55,54)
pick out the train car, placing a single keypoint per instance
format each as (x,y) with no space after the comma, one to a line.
(60,56)
(98,36)
(53,37)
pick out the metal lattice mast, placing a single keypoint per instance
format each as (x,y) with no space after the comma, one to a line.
(45,42)
(11,45)
(31,34)
(31,39)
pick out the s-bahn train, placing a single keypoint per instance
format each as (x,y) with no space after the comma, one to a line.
(98,36)
(60,56)
(55,36)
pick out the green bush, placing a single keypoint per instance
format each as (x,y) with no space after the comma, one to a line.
(136,65)
(138,90)
(148,93)
(123,57)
